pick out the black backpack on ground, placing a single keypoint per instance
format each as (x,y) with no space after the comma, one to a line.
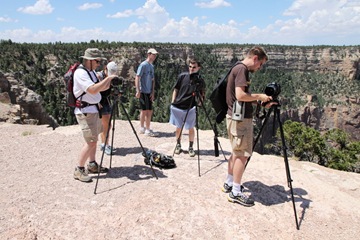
(218,96)
(159,160)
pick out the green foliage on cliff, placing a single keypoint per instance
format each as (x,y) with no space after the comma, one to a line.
(40,67)
(333,149)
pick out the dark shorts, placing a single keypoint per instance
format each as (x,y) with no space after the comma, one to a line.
(106,109)
(145,102)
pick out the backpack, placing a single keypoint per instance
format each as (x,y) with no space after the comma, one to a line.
(218,96)
(159,160)
(69,84)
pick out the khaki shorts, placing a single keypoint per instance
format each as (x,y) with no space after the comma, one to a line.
(241,136)
(90,125)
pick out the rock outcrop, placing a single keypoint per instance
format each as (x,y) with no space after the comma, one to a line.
(19,104)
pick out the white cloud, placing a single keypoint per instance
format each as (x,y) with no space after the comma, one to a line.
(328,21)
(87,6)
(151,11)
(124,14)
(40,7)
(213,4)
(7,19)
(306,22)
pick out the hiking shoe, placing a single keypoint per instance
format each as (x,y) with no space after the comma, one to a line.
(142,130)
(241,199)
(191,152)
(109,150)
(227,188)
(150,133)
(81,175)
(177,149)
(93,167)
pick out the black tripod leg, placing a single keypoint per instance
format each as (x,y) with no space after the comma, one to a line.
(216,140)
(289,180)
(112,116)
(197,136)
(137,137)
(112,133)
(259,134)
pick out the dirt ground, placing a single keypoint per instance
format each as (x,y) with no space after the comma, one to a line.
(41,200)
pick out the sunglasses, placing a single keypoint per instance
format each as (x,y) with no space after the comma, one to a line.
(97,61)
(192,67)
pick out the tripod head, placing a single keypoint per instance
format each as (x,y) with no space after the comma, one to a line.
(275,103)
(117,89)
(197,81)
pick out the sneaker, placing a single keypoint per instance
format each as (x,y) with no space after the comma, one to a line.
(241,199)
(177,149)
(81,175)
(95,168)
(142,130)
(102,147)
(150,133)
(191,152)
(109,150)
(227,188)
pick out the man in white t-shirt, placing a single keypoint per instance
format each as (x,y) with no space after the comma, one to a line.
(87,89)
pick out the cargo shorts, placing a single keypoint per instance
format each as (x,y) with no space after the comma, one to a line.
(91,126)
(241,136)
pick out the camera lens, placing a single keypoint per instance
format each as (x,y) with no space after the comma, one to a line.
(272,89)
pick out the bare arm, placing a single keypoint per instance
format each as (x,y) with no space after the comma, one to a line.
(137,86)
(100,86)
(153,89)
(241,95)
(175,92)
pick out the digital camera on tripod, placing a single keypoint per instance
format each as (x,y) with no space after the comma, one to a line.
(118,86)
(196,80)
(273,90)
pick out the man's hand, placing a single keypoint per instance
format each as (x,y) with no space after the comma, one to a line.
(264,98)
(137,94)
(269,104)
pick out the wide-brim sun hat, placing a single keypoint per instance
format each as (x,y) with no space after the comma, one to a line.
(92,54)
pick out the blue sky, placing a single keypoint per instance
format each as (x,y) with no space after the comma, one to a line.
(285,22)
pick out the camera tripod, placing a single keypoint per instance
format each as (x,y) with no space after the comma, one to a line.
(276,109)
(114,111)
(196,94)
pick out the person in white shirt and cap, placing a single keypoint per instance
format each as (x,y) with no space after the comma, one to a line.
(105,108)
(145,83)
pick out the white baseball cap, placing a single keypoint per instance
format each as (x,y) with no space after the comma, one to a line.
(112,68)
(152,50)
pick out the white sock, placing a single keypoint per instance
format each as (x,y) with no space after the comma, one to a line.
(229,180)
(236,189)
